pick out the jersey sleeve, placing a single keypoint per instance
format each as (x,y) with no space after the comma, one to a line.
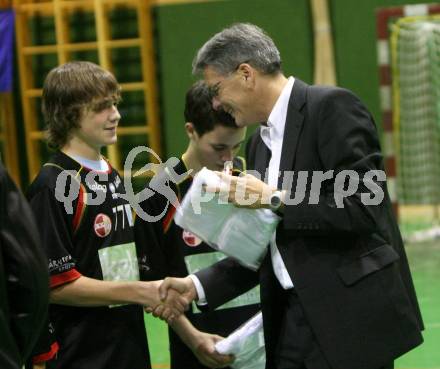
(55,226)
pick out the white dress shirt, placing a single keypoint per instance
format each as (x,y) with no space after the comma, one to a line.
(272,136)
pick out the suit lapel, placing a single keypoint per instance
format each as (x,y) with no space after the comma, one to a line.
(292,128)
(262,157)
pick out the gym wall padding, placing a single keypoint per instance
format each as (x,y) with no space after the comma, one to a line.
(182,29)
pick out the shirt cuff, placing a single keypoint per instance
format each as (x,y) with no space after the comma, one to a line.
(200,291)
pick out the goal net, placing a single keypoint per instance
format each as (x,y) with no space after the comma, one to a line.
(415,50)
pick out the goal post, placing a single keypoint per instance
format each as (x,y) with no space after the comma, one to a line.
(408,50)
(415,55)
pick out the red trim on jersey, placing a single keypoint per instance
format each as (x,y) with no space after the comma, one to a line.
(59,279)
(168,218)
(38,359)
(80,207)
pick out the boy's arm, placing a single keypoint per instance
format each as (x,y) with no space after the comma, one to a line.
(86,291)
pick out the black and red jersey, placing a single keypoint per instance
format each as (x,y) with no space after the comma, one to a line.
(87,230)
(168,250)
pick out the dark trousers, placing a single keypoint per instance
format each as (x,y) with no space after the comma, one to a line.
(297,347)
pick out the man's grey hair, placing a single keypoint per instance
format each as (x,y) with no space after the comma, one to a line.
(239,43)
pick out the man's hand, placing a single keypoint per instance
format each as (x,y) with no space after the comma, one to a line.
(203,348)
(245,191)
(170,291)
(184,286)
(168,308)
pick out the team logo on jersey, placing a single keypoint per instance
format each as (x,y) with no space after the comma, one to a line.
(102,225)
(112,188)
(117,181)
(191,239)
(96,186)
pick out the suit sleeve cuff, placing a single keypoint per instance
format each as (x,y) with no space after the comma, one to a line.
(200,291)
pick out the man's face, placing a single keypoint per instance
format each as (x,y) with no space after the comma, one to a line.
(234,93)
(99,122)
(216,147)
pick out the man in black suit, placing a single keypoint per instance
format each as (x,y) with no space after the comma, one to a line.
(24,281)
(336,289)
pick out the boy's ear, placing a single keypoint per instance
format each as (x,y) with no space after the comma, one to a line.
(190,130)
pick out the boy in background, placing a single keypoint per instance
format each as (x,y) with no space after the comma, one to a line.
(214,139)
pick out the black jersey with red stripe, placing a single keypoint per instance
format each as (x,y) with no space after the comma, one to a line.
(169,250)
(87,230)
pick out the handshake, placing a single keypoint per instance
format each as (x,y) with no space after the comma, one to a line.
(169,298)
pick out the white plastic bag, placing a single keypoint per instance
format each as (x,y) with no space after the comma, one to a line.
(247,344)
(243,234)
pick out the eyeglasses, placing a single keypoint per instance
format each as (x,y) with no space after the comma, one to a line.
(215,89)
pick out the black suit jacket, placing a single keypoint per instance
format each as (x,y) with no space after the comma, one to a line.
(24,282)
(347,264)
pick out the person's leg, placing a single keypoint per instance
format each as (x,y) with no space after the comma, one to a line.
(290,349)
(297,347)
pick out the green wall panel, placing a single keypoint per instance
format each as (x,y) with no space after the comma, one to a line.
(182,30)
